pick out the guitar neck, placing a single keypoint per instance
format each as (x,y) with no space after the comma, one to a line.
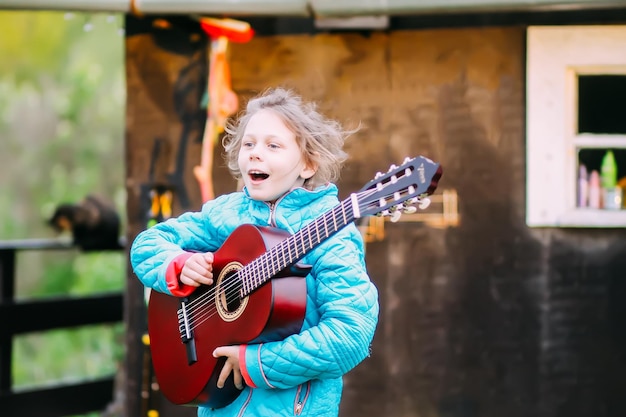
(292,249)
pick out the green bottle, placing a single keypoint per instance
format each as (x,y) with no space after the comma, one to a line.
(608,171)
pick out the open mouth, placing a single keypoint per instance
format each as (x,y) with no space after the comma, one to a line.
(258,175)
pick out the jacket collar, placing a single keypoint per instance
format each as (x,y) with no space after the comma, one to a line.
(297,198)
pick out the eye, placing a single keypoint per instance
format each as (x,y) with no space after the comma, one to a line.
(247,144)
(273,146)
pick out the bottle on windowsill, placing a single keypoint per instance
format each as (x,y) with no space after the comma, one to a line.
(611,194)
(594,190)
(608,171)
(583,186)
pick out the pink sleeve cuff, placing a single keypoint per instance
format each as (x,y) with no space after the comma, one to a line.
(172,276)
(242,366)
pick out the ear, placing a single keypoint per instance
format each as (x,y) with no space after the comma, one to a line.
(308,171)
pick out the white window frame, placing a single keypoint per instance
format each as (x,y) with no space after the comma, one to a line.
(556,55)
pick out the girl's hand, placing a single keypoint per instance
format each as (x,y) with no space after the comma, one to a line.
(232,364)
(198,269)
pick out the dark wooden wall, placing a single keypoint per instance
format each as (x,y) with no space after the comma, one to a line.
(166,73)
(486,319)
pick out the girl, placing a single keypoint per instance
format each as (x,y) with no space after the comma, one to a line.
(287,155)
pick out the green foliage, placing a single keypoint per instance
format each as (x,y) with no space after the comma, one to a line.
(62,98)
(61,115)
(83,353)
(70,273)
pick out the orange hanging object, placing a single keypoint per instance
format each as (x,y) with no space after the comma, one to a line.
(223,102)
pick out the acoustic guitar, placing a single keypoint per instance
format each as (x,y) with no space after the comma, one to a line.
(259,290)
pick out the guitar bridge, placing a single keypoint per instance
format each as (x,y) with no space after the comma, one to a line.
(186,332)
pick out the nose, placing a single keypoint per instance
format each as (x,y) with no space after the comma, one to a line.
(254,153)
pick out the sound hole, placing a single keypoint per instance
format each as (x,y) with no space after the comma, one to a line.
(227,297)
(230,291)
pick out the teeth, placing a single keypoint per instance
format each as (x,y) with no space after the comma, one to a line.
(258,174)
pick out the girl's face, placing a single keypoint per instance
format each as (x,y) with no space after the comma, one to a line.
(270,159)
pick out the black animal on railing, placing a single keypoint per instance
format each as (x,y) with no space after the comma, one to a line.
(93,223)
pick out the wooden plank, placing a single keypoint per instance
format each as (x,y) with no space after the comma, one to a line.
(458,98)
(405,7)
(166,75)
(34,316)
(45,244)
(347,75)
(454,95)
(324,8)
(35,244)
(59,401)
(7,292)
(7,274)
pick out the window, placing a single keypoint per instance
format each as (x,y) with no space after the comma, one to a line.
(576,126)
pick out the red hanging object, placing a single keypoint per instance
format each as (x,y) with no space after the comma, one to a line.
(233,30)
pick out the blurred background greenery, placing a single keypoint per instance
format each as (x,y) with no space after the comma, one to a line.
(62,110)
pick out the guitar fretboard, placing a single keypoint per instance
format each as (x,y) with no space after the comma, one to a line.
(290,250)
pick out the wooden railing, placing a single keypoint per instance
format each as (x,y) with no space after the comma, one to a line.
(20,317)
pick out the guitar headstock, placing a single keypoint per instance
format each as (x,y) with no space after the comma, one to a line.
(400,189)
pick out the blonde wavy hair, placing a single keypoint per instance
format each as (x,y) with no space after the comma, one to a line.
(320,139)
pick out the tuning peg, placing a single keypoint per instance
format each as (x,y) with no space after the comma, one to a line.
(406,160)
(409,209)
(392,167)
(395,216)
(424,203)
(378,175)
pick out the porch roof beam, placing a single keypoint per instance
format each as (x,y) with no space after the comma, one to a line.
(313,8)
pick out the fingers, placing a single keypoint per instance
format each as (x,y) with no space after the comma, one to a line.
(198,269)
(231,365)
(204,260)
(226,370)
(208,258)
(238,379)
(194,271)
(193,278)
(224,374)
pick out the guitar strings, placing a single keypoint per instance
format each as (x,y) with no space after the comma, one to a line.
(285,244)
(327,219)
(339,206)
(264,260)
(205,314)
(292,242)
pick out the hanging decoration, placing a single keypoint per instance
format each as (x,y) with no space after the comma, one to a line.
(222,102)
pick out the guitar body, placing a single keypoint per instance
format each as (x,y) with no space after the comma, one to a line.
(186,370)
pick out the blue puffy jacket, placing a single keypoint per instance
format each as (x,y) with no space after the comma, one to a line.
(302,374)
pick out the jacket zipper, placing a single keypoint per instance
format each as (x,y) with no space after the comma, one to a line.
(272,206)
(272,220)
(245,405)
(301,398)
